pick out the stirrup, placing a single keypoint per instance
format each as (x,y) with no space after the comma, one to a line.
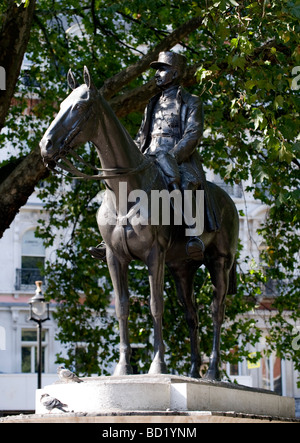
(98,252)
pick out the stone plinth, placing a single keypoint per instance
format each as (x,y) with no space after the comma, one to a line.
(104,395)
(155,420)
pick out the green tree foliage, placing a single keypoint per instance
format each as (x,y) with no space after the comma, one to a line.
(242,59)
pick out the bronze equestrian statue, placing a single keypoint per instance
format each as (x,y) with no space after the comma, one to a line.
(163,157)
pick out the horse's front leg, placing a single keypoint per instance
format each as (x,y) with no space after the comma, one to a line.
(118,271)
(156,266)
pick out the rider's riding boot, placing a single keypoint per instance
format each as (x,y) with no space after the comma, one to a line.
(98,252)
(195,248)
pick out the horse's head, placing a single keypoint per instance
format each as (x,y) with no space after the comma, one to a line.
(73,124)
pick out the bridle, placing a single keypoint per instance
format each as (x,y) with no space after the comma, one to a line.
(66,165)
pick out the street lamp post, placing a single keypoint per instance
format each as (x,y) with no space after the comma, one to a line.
(39,312)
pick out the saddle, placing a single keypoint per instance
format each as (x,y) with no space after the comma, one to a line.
(190,175)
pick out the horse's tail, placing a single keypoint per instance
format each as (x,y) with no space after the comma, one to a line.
(232,286)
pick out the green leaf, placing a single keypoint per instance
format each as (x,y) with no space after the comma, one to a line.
(202,74)
(258,118)
(260,174)
(250,84)
(285,154)
(234,42)
(278,102)
(238,61)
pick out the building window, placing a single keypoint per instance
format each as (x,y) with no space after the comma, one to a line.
(270,287)
(234,369)
(271,373)
(32,261)
(29,350)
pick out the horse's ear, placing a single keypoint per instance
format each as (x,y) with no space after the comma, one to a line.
(88,79)
(71,80)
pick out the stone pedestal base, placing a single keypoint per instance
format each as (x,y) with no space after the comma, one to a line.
(163,393)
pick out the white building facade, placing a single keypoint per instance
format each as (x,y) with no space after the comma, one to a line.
(21,254)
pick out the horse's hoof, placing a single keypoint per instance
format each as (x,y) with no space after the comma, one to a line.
(158,368)
(123,369)
(194,372)
(212,375)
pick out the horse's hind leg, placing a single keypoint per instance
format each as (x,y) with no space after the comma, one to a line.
(156,265)
(183,274)
(219,271)
(118,272)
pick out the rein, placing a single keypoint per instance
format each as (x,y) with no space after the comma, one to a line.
(67,166)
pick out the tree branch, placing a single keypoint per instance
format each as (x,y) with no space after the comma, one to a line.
(123,78)
(136,99)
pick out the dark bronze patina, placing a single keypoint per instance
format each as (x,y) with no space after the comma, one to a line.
(152,162)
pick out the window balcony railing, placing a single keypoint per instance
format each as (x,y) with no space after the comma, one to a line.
(26,278)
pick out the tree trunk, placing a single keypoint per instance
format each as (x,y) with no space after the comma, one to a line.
(19,184)
(14,36)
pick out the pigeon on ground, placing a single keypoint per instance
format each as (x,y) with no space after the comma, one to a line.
(67,376)
(51,403)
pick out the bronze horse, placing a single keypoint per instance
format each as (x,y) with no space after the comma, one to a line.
(85,116)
